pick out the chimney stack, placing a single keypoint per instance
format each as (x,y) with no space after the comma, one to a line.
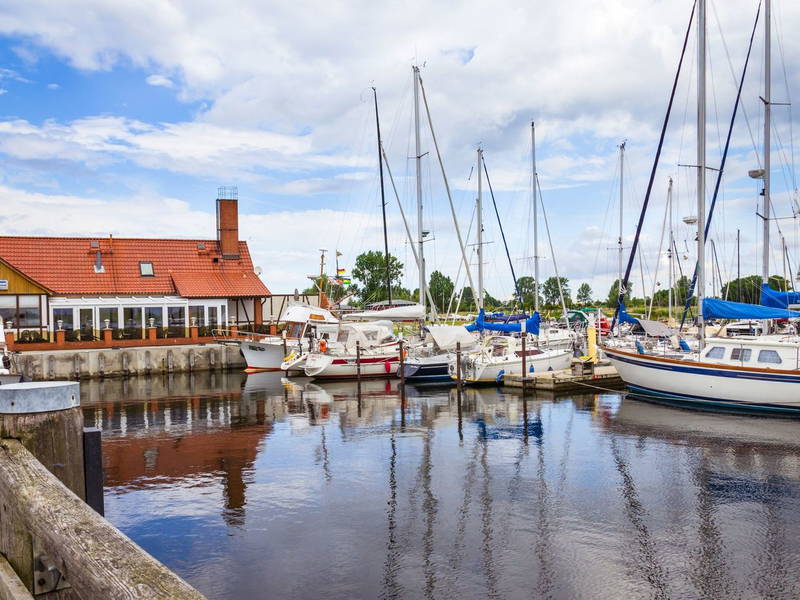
(228,222)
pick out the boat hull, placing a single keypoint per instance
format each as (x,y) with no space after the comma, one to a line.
(708,386)
(495,371)
(322,366)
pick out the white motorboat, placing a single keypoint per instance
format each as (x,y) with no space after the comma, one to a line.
(502,355)
(360,349)
(303,325)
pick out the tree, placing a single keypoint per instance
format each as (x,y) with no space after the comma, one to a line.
(613,293)
(584,296)
(551,293)
(370,271)
(750,287)
(526,286)
(441,288)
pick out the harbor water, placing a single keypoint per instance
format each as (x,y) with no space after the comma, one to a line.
(254,487)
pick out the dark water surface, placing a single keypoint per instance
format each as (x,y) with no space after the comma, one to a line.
(249,488)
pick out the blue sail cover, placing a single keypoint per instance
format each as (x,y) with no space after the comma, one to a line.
(531,325)
(714,308)
(776,299)
(624,317)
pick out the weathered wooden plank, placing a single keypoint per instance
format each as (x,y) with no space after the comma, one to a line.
(11,588)
(99,561)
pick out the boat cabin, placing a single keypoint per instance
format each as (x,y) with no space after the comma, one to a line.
(368,335)
(751,352)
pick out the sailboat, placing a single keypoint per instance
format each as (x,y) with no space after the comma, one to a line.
(744,373)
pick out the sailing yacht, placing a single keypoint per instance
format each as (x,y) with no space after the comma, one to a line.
(752,373)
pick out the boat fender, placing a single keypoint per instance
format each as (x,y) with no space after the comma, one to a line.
(323,346)
(387,366)
(499,378)
(684,345)
(639,347)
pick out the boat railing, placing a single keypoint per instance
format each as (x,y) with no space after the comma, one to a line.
(233,335)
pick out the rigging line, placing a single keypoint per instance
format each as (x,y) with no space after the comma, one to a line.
(601,241)
(446,183)
(552,252)
(721,166)
(658,260)
(733,76)
(502,233)
(621,288)
(778,22)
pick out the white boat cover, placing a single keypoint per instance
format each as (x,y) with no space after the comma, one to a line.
(447,336)
(305,313)
(412,312)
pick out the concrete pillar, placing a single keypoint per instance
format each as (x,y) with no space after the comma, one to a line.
(61,337)
(107,336)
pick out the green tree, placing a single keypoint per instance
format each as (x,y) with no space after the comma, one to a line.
(441,288)
(584,296)
(370,271)
(613,293)
(526,286)
(750,287)
(551,294)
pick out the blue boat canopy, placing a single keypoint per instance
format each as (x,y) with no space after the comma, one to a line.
(776,299)
(531,325)
(624,317)
(714,308)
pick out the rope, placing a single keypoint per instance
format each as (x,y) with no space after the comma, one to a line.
(624,283)
(693,283)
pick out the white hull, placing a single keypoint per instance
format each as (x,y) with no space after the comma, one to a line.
(266,355)
(492,371)
(710,385)
(327,366)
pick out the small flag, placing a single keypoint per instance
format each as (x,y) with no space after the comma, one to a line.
(345,280)
(339,253)
(341,272)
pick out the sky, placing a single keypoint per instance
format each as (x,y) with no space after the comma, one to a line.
(124,117)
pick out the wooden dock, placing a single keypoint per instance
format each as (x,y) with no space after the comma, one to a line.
(568,380)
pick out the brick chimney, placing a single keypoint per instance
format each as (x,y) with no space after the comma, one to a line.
(228,223)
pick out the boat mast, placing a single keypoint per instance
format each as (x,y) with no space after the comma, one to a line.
(479,210)
(534,175)
(383,201)
(418,155)
(619,240)
(701,166)
(669,253)
(767,114)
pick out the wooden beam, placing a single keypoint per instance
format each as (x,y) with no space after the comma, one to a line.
(11,588)
(99,561)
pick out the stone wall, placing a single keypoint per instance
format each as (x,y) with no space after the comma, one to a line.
(86,364)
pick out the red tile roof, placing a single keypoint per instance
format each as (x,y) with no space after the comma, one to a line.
(66,266)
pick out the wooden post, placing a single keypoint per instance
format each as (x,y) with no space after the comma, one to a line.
(283,335)
(524,362)
(358,361)
(402,363)
(458,375)
(93,468)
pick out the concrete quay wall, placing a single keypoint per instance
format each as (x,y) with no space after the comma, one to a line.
(45,365)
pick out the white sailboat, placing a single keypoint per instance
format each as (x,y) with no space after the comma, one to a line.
(755,373)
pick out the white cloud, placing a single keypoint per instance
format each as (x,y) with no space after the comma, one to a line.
(160,81)
(53,86)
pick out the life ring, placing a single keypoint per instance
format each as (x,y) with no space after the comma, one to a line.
(323,346)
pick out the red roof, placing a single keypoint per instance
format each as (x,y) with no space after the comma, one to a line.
(190,268)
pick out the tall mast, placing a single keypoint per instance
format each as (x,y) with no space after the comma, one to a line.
(767,114)
(383,201)
(619,241)
(669,253)
(701,166)
(418,155)
(534,175)
(479,210)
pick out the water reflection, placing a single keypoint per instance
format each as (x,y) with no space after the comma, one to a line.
(254,487)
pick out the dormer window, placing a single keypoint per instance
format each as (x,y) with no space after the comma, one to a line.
(146,269)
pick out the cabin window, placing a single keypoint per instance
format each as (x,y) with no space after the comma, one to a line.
(769,356)
(146,269)
(716,352)
(741,354)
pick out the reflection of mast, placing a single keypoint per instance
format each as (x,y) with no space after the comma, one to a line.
(391,588)
(429,505)
(710,575)
(543,547)
(651,570)
(463,513)
(486,524)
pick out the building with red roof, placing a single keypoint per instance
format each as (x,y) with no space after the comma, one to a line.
(87,284)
